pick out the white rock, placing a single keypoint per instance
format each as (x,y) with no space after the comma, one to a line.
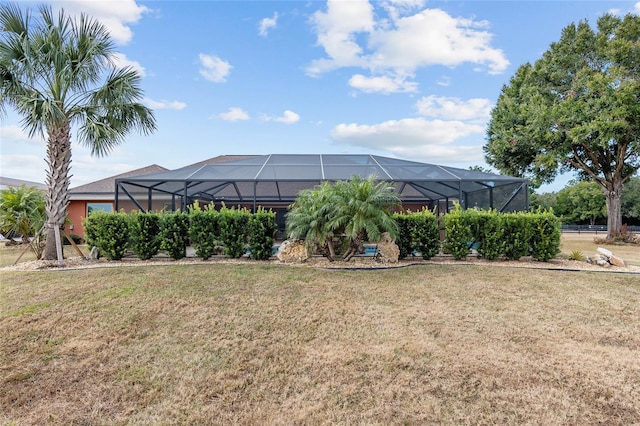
(605,252)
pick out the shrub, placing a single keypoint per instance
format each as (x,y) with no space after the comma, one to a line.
(145,241)
(517,232)
(487,232)
(458,233)
(174,234)
(545,238)
(233,230)
(577,255)
(418,231)
(405,228)
(426,233)
(77,239)
(204,230)
(262,227)
(109,232)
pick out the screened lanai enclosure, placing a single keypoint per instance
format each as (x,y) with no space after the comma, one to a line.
(274,181)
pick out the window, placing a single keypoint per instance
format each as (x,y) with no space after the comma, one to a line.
(99,207)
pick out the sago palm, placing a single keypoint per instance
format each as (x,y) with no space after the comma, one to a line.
(59,75)
(308,218)
(21,211)
(364,211)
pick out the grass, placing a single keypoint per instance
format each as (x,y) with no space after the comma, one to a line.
(584,243)
(270,344)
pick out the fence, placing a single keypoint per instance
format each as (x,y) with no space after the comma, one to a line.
(602,229)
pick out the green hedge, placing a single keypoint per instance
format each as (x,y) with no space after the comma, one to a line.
(458,236)
(418,232)
(545,235)
(234,230)
(509,235)
(262,229)
(145,230)
(516,231)
(207,230)
(109,232)
(204,230)
(512,235)
(174,234)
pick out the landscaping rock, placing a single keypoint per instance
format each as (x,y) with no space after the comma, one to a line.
(617,261)
(611,258)
(388,251)
(292,252)
(604,252)
(94,254)
(599,260)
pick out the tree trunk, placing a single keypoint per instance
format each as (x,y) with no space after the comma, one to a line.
(59,163)
(613,194)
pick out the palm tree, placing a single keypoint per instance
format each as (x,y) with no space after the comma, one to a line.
(58,74)
(357,210)
(308,218)
(364,211)
(22,213)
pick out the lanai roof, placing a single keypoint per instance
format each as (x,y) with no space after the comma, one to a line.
(279,178)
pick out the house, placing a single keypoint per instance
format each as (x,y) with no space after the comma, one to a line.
(6,182)
(274,181)
(99,195)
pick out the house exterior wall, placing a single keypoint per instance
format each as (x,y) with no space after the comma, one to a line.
(77,211)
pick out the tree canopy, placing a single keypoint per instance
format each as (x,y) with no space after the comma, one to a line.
(631,200)
(575,109)
(582,202)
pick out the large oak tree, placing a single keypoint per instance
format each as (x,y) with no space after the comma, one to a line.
(59,74)
(575,109)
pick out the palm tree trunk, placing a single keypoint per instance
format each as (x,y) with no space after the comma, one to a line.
(59,163)
(332,251)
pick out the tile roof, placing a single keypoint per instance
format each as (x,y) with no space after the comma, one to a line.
(107,185)
(219,159)
(7,181)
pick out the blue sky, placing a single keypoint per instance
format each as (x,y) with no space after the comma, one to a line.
(409,79)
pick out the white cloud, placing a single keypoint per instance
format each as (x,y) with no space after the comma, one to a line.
(431,140)
(396,8)
(13,133)
(337,29)
(122,61)
(25,167)
(116,15)
(289,117)
(395,45)
(444,81)
(637,8)
(383,84)
(213,68)
(267,24)
(433,37)
(234,114)
(175,105)
(454,108)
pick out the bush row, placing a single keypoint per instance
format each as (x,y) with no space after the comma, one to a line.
(492,234)
(418,232)
(209,231)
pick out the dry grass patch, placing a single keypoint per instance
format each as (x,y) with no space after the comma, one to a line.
(585,243)
(269,344)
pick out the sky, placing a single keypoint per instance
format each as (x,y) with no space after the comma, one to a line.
(408,79)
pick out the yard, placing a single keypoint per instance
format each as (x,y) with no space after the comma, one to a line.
(216,343)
